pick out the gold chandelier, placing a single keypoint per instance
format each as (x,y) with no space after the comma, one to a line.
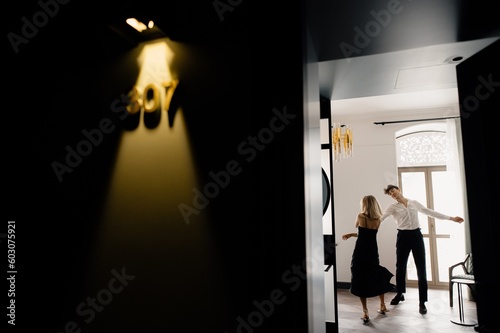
(341,141)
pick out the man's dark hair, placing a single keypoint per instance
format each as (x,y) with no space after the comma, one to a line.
(390,187)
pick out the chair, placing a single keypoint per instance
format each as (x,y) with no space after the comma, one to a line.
(465,273)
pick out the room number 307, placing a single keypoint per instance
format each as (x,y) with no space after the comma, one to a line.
(149,98)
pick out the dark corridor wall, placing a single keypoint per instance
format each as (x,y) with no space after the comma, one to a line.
(478,84)
(137,266)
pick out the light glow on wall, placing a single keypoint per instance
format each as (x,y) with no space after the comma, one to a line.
(154,168)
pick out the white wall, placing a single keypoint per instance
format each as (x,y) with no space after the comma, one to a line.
(371,168)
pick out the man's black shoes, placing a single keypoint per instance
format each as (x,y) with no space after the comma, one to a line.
(398,298)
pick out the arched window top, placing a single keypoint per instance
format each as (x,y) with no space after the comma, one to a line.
(422,145)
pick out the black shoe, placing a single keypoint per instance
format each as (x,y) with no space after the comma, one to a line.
(422,309)
(398,298)
(365,318)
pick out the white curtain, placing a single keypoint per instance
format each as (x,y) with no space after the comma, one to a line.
(455,165)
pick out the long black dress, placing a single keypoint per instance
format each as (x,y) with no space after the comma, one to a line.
(368,278)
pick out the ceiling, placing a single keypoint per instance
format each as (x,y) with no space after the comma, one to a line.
(374,55)
(395,56)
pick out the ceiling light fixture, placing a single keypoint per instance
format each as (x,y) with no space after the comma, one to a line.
(341,141)
(137,25)
(453,59)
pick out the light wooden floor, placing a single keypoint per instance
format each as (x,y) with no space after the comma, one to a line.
(404,317)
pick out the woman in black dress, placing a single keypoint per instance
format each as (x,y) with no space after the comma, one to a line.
(368,278)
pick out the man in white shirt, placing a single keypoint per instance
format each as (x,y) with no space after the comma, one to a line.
(410,239)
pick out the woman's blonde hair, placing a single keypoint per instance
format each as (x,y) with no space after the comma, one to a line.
(370,207)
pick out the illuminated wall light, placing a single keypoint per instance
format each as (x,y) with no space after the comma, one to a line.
(151,24)
(137,25)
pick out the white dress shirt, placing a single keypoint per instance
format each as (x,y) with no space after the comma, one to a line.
(407,217)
